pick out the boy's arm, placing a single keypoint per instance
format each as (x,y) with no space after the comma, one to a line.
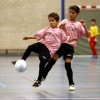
(29,37)
(73,39)
(62,25)
(88,34)
(38,35)
(96,31)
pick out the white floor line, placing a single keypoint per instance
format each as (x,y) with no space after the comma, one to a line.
(55,98)
(3,85)
(84,55)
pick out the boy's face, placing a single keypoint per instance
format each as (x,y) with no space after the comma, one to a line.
(73,14)
(93,23)
(53,22)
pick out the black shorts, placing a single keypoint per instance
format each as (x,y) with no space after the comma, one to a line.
(42,50)
(66,51)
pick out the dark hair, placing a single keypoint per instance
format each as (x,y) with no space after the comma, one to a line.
(93,20)
(76,8)
(54,15)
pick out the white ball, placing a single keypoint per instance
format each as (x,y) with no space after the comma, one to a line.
(21,65)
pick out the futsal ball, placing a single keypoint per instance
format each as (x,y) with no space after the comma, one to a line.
(21,65)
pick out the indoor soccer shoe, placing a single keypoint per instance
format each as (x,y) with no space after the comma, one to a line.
(94,57)
(71,87)
(36,84)
(13,62)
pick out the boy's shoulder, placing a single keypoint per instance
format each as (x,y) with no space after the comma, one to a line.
(47,28)
(65,20)
(53,29)
(78,23)
(96,26)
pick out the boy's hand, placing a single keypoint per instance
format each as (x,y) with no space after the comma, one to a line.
(82,22)
(87,33)
(26,38)
(73,39)
(62,25)
(76,39)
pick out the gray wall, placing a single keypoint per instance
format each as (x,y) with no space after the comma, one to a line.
(83,47)
(87,15)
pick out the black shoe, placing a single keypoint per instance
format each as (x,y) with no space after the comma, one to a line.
(13,62)
(36,84)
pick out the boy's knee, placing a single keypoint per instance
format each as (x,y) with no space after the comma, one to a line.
(68,60)
(55,56)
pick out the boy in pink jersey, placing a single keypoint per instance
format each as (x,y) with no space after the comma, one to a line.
(52,38)
(72,28)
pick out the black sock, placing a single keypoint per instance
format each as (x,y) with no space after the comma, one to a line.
(41,71)
(48,67)
(69,72)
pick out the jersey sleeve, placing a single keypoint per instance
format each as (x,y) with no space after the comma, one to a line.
(40,34)
(63,21)
(64,37)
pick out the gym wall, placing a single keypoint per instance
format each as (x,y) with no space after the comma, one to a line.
(19,18)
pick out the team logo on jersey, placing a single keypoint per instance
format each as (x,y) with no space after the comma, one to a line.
(49,33)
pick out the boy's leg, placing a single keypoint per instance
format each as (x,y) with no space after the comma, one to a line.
(70,76)
(44,57)
(37,82)
(49,65)
(31,48)
(92,45)
(69,70)
(52,61)
(68,56)
(41,69)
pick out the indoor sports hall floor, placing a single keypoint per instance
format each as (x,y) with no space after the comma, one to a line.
(18,86)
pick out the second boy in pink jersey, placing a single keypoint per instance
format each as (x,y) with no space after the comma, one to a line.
(72,28)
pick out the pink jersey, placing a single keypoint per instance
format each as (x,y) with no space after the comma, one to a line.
(73,30)
(52,38)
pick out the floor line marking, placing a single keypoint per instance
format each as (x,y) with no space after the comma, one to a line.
(3,85)
(57,98)
(26,78)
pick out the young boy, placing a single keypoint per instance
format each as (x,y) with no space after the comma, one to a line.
(93,38)
(72,28)
(52,38)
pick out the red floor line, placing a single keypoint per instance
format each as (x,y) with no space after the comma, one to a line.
(26,78)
